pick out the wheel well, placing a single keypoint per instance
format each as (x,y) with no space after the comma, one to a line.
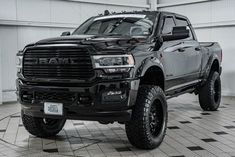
(215,66)
(153,76)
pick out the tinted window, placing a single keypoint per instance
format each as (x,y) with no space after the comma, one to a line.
(168,25)
(94,29)
(123,24)
(183,22)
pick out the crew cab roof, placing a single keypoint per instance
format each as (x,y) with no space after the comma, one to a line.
(144,12)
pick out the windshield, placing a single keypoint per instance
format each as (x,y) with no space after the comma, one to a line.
(123,24)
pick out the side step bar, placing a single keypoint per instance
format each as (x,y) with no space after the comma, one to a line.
(182,90)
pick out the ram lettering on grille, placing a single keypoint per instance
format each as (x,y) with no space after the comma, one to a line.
(57,63)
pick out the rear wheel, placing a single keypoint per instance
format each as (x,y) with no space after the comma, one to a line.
(147,127)
(42,127)
(210,93)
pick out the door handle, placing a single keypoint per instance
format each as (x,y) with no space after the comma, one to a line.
(181,49)
(197,49)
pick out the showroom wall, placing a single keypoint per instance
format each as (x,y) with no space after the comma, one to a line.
(214,20)
(25,21)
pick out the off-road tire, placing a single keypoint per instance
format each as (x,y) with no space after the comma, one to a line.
(38,127)
(210,93)
(139,129)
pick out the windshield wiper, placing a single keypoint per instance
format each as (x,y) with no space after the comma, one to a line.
(109,35)
(114,34)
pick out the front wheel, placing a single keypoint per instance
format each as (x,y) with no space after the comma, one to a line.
(147,127)
(210,93)
(42,127)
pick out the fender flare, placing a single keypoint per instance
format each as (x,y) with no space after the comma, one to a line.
(211,60)
(148,63)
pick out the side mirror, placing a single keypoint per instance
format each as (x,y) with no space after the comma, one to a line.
(179,32)
(65,34)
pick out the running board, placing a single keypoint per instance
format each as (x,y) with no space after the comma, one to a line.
(182,90)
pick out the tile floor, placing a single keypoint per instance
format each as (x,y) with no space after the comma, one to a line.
(191,132)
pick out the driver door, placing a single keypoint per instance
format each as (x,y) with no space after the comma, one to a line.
(174,61)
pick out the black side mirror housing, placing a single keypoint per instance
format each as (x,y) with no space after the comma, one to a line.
(66,34)
(178,32)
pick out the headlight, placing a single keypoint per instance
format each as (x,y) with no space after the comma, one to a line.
(19,62)
(113,63)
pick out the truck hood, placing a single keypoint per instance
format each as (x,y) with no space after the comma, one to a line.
(98,43)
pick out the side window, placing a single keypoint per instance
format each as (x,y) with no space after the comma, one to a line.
(168,25)
(183,22)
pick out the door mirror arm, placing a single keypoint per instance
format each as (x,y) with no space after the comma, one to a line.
(158,40)
(66,34)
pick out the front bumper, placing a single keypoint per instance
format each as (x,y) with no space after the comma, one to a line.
(106,102)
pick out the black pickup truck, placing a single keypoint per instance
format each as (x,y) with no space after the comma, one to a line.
(118,67)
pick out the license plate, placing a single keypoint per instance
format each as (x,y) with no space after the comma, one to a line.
(52,108)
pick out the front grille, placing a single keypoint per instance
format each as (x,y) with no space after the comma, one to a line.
(55,96)
(57,63)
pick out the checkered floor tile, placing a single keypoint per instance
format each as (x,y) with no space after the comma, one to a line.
(191,132)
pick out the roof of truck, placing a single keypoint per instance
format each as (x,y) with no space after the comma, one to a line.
(107,13)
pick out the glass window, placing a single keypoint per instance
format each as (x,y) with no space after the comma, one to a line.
(184,22)
(123,24)
(94,29)
(168,25)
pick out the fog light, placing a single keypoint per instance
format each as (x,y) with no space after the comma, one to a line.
(113,96)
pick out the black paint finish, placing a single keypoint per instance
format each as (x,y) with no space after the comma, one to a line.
(178,65)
